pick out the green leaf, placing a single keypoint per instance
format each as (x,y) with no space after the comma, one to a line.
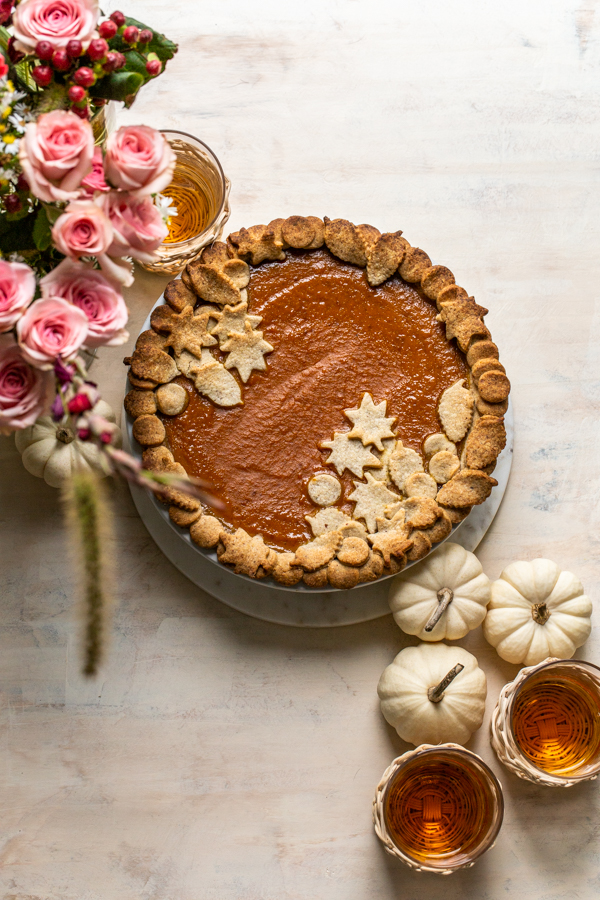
(120,85)
(4,39)
(161,45)
(52,212)
(42,234)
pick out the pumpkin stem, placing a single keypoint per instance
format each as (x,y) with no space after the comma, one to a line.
(540,613)
(436,693)
(445,597)
(64,435)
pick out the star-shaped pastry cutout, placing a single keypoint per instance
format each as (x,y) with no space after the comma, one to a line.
(371,500)
(233,319)
(397,522)
(189,331)
(383,474)
(246,351)
(349,454)
(370,423)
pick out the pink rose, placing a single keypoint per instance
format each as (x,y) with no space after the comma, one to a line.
(56,154)
(50,328)
(138,227)
(17,287)
(82,230)
(88,289)
(25,393)
(139,159)
(95,180)
(56,21)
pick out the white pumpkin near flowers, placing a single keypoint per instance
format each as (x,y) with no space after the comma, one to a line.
(52,452)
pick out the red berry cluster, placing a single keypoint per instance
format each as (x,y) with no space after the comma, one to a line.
(74,60)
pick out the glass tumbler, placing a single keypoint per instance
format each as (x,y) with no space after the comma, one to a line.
(200,192)
(546,725)
(438,808)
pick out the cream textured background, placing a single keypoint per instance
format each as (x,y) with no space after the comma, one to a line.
(219,757)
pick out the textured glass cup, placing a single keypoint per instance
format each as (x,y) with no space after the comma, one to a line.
(200,191)
(546,725)
(438,808)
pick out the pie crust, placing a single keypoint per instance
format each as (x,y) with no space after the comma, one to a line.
(434,490)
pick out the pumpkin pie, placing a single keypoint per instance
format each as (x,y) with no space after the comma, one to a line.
(340,393)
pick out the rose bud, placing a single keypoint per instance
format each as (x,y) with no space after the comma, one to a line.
(14,55)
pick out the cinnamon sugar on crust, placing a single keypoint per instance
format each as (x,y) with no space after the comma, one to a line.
(486,365)
(493,387)
(485,442)
(178,295)
(213,286)
(152,365)
(343,240)
(284,570)
(183,517)
(256,244)
(384,257)
(140,403)
(151,340)
(468,488)
(246,554)
(186,330)
(436,279)
(421,545)
(414,264)
(481,350)
(206,531)
(318,553)
(342,576)
(149,431)
(298,232)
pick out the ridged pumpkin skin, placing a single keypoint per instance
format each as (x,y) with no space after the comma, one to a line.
(47,457)
(405,703)
(511,626)
(413,596)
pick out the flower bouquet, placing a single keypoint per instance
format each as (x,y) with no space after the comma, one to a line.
(73,216)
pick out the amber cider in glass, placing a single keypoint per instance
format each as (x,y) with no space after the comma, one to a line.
(556,721)
(443,808)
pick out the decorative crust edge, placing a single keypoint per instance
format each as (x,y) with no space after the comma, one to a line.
(219,276)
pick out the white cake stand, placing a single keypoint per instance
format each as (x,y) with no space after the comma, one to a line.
(292,606)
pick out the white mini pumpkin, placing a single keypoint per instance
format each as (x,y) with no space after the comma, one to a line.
(433,693)
(443,597)
(537,611)
(52,452)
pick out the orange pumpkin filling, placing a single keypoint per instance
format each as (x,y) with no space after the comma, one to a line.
(334,338)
